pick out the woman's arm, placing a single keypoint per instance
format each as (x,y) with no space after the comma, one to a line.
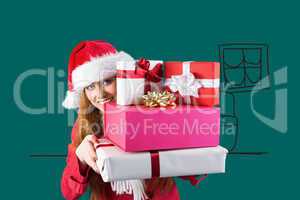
(75,175)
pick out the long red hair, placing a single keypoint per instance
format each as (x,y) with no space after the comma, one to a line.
(90,122)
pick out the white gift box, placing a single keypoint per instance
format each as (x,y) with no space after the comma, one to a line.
(115,164)
(130,89)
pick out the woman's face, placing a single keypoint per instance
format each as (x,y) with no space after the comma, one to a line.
(101,92)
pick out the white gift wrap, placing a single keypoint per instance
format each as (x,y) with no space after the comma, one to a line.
(131,90)
(115,164)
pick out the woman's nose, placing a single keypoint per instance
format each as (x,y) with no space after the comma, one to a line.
(101,91)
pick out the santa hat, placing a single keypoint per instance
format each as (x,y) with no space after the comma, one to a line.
(90,61)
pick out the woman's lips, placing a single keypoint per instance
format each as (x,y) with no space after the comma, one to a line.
(104,100)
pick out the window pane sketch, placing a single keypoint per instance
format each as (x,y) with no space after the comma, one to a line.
(243,65)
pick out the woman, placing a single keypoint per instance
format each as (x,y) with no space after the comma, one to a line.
(91,82)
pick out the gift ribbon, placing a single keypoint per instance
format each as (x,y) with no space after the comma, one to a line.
(155,166)
(186,83)
(142,70)
(153,75)
(193,179)
(138,73)
(186,68)
(186,71)
(104,145)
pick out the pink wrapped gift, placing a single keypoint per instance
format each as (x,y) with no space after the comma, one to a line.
(140,128)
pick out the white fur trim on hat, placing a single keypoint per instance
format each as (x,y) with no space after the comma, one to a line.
(97,69)
(71,100)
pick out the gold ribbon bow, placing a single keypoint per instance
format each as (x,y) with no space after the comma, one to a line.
(159,99)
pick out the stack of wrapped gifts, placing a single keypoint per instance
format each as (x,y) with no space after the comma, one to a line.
(165,122)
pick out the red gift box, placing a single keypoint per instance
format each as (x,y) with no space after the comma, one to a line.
(206,82)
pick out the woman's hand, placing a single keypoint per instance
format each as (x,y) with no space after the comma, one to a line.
(86,152)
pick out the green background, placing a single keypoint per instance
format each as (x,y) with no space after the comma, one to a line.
(36,34)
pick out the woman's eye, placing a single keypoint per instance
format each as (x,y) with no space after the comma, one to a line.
(91,87)
(108,81)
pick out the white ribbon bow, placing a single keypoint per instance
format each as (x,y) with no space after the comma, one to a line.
(186,83)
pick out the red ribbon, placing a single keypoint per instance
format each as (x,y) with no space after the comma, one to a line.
(193,179)
(155,74)
(130,73)
(155,167)
(104,145)
(142,71)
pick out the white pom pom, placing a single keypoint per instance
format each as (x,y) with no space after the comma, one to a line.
(71,100)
